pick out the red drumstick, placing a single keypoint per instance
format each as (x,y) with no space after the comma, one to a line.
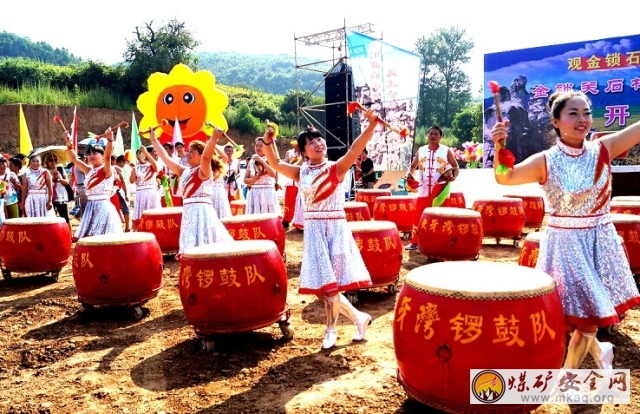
(495,90)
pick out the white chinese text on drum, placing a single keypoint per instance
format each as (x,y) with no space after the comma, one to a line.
(448,320)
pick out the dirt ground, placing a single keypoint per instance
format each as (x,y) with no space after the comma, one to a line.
(57,358)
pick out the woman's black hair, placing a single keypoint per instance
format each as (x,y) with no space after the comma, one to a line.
(306,136)
(95,149)
(558,100)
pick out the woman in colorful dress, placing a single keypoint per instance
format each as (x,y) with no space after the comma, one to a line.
(331,261)
(262,178)
(144,175)
(59,181)
(219,196)
(100,215)
(37,190)
(580,248)
(200,224)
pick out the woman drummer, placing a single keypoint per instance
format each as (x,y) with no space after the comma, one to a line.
(100,215)
(37,190)
(200,224)
(144,175)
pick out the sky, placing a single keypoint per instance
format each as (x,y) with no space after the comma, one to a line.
(99,30)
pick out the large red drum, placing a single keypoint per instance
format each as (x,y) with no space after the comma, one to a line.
(290,194)
(263,226)
(530,249)
(398,209)
(369,195)
(502,217)
(357,211)
(164,223)
(34,244)
(628,227)
(456,199)
(625,207)
(534,210)
(449,233)
(238,207)
(381,249)
(234,287)
(117,269)
(510,317)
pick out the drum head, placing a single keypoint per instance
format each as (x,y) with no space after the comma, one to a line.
(625,218)
(625,203)
(535,237)
(451,212)
(224,250)
(397,198)
(163,211)
(238,202)
(625,198)
(117,239)
(250,218)
(356,204)
(371,226)
(509,200)
(480,280)
(34,221)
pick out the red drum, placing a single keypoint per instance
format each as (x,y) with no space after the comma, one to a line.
(457,200)
(290,194)
(530,249)
(357,211)
(118,269)
(628,227)
(164,223)
(625,207)
(533,210)
(449,233)
(502,217)
(600,134)
(381,249)
(238,207)
(510,318)
(234,287)
(369,195)
(264,226)
(34,244)
(398,209)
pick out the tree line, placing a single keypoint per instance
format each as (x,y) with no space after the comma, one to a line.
(263,87)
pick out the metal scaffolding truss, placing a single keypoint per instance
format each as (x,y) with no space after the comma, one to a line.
(335,40)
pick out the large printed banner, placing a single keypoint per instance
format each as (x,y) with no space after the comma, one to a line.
(387,79)
(607,70)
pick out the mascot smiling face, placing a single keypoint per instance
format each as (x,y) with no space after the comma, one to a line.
(189,98)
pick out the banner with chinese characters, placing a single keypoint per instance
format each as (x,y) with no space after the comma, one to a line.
(606,70)
(386,78)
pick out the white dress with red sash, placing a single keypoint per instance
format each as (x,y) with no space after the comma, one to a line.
(100,215)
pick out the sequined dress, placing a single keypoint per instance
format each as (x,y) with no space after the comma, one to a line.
(580,248)
(35,204)
(262,198)
(219,197)
(331,261)
(100,215)
(200,223)
(147,196)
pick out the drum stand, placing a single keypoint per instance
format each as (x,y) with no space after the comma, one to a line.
(390,289)
(136,309)
(53,274)
(208,344)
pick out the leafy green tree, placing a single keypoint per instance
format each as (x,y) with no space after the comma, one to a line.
(13,46)
(157,50)
(444,87)
(245,121)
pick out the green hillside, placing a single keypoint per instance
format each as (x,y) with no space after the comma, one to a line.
(13,46)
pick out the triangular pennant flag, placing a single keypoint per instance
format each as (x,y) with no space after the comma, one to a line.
(177,134)
(135,138)
(25,138)
(118,144)
(74,129)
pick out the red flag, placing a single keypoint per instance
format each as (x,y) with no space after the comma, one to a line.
(74,141)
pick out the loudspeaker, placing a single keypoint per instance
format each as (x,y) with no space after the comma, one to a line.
(339,92)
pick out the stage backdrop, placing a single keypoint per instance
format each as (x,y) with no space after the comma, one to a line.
(607,70)
(386,78)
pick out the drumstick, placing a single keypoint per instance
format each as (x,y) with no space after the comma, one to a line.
(495,90)
(210,124)
(58,121)
(153,128)
(403,132)
(123,124)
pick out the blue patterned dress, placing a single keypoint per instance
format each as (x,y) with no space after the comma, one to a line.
(331,260)
(580,248)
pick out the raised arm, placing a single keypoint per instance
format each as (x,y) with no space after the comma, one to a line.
(346,161)
(174,166)
(531,170)
(49,184)
(207,154)
(620,141)
(107,153)
(148,157)
(74,157)
(284,168)
(222,154)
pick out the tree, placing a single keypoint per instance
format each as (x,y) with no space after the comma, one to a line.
(444,87)
(467,125)
(157,50)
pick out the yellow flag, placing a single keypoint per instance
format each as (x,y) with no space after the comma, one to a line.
(25,139)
